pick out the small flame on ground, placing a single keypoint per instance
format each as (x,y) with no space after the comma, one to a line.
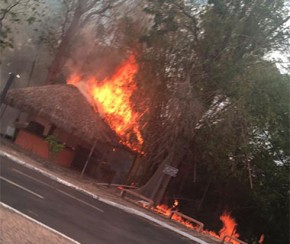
(166,211)
(229,228)
(175,204)
(111,97)
(184,222)
(261,240)
(163,209)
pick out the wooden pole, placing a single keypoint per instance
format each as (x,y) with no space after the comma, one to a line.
(88,159)
(3,111)
(6,87)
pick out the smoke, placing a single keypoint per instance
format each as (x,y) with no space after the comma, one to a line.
(27,54)
(89,56)
(27,58)
(102,44)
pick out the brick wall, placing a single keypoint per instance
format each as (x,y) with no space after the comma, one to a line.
(39,146)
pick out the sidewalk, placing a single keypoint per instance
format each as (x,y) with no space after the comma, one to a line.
(17,228)
(109,195)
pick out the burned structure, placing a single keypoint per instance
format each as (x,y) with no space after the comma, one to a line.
(63,111)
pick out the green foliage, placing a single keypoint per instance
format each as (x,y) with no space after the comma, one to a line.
(212,69)
(251,139)
(54,146)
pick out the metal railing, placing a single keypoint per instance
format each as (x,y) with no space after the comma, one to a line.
(125,192)
(198,223)
(232,238)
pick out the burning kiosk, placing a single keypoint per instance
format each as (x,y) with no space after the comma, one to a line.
(62,110)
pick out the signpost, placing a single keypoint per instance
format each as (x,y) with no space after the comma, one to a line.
(169,170)
(161,186)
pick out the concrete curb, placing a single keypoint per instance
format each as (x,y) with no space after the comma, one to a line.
(117,205)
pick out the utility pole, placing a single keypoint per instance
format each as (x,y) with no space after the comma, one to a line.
(88,159)
(7,86)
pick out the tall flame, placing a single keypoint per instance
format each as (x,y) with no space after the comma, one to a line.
(111,97)
(229,227)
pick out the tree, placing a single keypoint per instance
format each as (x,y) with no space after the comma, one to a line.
(78,14)
(14,12)
(217,176)
(197,65)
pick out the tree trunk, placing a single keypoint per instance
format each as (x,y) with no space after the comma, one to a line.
(156,186)
(135,172)
(203,195)
(54,72)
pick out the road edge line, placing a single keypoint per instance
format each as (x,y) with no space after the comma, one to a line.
(21,187)
(39,223)
(117,205)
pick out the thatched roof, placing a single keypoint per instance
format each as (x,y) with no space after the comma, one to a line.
(66,107)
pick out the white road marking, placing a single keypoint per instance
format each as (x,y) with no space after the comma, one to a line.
(21,187)
(20,161)
(67,194)
(39,223)
(30,211)
(30,177)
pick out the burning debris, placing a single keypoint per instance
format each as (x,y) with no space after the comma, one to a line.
(111,98)
(165,210)
(228,229)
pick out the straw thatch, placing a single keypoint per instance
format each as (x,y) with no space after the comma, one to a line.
(66,107)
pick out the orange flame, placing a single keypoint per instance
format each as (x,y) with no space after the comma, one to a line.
(261,240)
(229,224)
(74,79)
(164,209)
(229,227)
(111,97)
(176,203)
(186,223)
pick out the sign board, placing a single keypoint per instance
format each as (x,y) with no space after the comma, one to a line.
(169,170)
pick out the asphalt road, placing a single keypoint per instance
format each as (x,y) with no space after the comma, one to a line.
(73,213)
